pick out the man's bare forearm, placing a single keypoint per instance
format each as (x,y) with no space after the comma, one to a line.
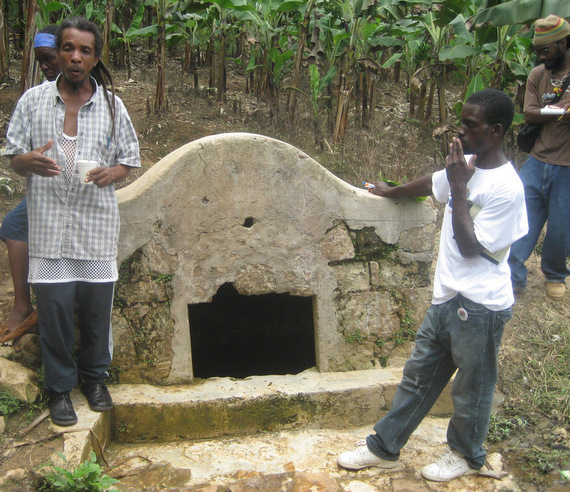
(417,188)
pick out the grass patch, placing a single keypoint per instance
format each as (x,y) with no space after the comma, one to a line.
(548,369)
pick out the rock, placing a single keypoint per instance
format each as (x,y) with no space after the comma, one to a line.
(403,485)
(27,350)
(2,424)
(11,478)
(337,244)
(358,486)
(307,482)
(6,351)
(17,380)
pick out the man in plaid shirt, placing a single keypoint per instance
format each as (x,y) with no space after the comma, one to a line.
(73,225)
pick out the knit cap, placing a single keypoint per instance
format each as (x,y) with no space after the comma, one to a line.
(550,30)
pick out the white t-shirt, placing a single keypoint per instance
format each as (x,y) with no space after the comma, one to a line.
(498,198)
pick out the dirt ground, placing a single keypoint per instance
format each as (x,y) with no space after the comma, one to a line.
(395,146)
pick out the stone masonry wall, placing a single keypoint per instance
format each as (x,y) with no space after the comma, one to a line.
(260,214)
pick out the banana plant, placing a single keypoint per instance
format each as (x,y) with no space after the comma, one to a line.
(268,22)
(125,36)
(353,19)
(30,73)
(318,85)
(223,8)
(513,12)
(302,36)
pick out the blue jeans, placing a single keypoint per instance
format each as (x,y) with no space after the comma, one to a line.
(445,343)
(547,196)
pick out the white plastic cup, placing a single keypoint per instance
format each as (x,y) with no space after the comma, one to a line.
(83,167)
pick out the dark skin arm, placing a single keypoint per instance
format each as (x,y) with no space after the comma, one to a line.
(104,176)
(459,172)
(35,162)
(413,189)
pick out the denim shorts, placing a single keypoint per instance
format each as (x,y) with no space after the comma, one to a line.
(15,224)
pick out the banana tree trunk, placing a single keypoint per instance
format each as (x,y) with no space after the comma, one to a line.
(342,111)
(222,64)
(429,107)
(160,104)
(441,97)
(303,32)
(4,65)
(372,98)
(27,78)
(109,10)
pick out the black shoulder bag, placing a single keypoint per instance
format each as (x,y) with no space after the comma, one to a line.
(528,133)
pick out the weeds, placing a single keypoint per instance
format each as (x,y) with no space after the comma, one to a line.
(501,428)
(535,374)
(354,337)
(88,476)
(10,404)
(546,460)
(162,278)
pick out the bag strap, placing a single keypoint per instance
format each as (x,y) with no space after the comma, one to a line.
(563,88)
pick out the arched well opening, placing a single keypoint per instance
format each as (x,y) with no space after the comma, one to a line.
(238,335)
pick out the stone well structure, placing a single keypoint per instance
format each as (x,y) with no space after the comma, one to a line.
(257,218)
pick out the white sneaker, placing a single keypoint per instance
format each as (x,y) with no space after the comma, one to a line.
(361,457)
(449,465)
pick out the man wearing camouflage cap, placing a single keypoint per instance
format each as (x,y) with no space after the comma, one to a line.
(546,173)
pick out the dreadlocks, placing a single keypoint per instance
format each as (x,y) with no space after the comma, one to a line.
(99,72)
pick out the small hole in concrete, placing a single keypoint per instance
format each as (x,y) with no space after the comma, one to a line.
(248,222)
(205,201)
(239,336)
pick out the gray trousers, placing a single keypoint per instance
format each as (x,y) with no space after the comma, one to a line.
(56,307)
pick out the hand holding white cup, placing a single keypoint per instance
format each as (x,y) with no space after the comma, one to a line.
(84,166)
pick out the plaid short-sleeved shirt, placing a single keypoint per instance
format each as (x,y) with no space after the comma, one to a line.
(70,219)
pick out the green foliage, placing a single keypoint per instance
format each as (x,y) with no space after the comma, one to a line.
(396,183)
(406,333)
(546,460)
(163,278)
(114,374)
(87,477)
(125,428)
(416,35)
(354,336)
(10,404)
(500,428)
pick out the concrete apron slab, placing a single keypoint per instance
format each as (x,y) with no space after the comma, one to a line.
(304,459)
(334,412)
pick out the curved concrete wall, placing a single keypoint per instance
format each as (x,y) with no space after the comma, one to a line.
(261,214)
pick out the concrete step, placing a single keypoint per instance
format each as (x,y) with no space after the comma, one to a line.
(231,407)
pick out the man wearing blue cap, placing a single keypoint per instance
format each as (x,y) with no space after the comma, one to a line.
(14,228)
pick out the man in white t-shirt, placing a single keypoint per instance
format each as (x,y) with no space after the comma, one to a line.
(472,297)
